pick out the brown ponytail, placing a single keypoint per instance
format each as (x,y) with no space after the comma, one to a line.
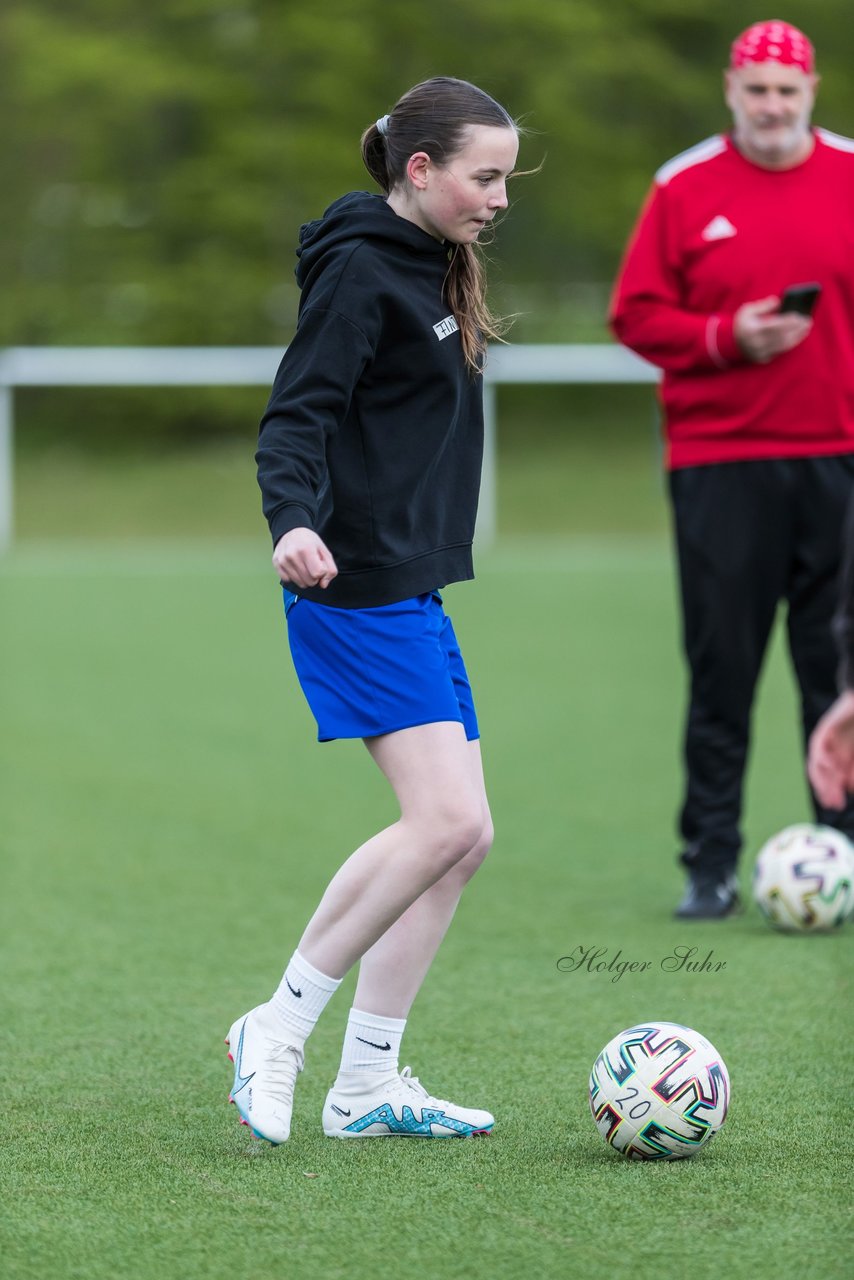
(433,117)
(465,291)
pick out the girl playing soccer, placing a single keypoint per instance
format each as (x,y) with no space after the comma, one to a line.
(369,463)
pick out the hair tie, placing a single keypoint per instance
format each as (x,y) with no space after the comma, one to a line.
(382,125)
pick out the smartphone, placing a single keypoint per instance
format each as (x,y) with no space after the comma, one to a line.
(800,298)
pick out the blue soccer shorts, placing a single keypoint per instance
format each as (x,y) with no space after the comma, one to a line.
(366,672)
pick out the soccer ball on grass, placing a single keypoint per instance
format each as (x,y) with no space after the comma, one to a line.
(803,881)
(659,1091)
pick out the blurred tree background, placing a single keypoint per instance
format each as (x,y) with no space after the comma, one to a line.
(158,159)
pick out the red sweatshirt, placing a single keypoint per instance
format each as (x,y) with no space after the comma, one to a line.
(717,231)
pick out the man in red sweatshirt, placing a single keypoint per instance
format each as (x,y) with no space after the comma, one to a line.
(759,416)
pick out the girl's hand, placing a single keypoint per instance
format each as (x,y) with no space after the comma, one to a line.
(303,559)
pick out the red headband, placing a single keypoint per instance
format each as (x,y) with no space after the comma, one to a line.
(773,41)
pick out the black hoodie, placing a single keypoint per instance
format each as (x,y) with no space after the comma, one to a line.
(373,435)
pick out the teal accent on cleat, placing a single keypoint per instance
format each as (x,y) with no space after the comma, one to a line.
(397,1106)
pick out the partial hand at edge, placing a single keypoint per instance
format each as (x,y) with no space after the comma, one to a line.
(830,759)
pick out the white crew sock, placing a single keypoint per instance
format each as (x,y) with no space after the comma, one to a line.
(301,997)
(371,1043)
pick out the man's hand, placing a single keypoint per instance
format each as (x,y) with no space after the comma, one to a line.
(762,332)
(830,761)
(302,558)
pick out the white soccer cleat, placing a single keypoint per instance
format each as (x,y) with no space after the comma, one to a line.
(397,1106)
(265,1072)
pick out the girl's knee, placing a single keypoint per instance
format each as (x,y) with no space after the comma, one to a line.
(471,849)
(477,854)
(456,828)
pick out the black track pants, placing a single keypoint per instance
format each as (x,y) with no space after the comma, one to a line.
(748,536)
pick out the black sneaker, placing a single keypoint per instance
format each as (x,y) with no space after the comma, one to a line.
(709,896)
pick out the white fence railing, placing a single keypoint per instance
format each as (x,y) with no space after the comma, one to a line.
(256,366)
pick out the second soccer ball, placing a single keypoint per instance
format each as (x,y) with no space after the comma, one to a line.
(803,881)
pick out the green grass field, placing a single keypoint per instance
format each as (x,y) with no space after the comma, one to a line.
(169,823)
(572,460)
